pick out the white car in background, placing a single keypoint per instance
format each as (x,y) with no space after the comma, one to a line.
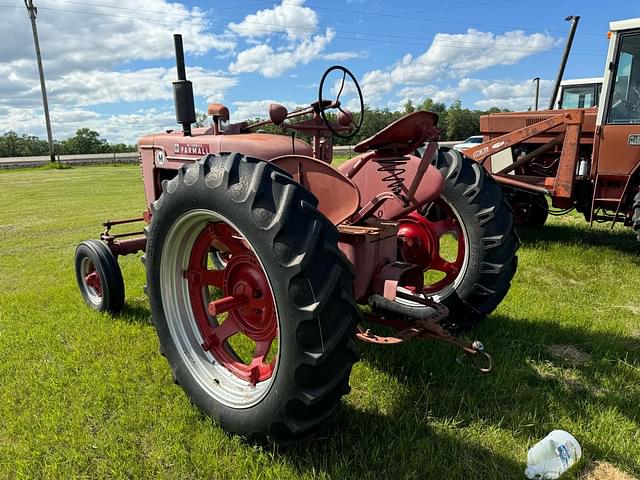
(468,143)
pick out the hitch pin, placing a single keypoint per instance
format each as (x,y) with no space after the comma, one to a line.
(480,359)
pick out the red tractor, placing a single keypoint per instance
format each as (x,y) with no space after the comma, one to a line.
(257,261)
(587,159)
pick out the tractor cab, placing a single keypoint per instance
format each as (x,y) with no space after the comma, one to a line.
(616,152)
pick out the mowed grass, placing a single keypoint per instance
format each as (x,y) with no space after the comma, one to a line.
(84,395)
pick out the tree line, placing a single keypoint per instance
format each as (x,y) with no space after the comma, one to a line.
(455,123)
(84,141)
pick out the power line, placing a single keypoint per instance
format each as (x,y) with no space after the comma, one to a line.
(103,5)
(374,37)
(355,12)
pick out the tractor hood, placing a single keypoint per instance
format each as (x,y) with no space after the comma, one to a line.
(178,148)
(162,154)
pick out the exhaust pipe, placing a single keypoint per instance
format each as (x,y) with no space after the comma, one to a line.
(183,91)
(574,19)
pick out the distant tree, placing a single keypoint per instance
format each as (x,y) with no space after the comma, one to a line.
(84,141)
(462,122)
(9,145)
(201,120)
(439,108)
(408,107)
(13,145)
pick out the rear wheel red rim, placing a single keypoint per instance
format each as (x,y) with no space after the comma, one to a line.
(232,301)
(422,242)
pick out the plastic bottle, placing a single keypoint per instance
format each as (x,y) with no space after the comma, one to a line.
(552,456)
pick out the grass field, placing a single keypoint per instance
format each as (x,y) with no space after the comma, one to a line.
(84,395)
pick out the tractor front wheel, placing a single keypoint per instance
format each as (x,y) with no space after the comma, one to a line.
(99,277)
(262,341)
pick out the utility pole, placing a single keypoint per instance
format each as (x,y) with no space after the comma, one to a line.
(33,12)
(537,80)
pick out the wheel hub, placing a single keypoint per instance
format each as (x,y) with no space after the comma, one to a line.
(241,302)
(92,278)
(244,280)
(421,242)
(417,242)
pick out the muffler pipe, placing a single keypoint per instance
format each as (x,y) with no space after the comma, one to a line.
(574,19)
(183,91)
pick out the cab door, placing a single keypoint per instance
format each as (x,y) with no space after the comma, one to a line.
(618,142)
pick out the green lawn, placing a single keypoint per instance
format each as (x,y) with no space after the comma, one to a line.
(84,395)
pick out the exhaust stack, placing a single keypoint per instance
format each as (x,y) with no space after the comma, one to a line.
(183,91)
(574,19)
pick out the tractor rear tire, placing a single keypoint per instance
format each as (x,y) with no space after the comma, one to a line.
(636,214)
(487,221)
(282,240)
(99,277)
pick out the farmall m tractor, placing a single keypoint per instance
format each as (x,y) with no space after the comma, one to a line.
(587,159)
(257,261)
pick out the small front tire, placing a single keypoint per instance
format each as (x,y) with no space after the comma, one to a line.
(99,277)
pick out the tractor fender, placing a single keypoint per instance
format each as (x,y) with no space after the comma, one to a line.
(394,174)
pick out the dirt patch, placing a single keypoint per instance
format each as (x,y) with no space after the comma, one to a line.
(569,354)
(604,471)
(635,309)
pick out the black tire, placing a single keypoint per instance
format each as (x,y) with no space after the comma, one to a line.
(535,212)
(94,255)
(636,215)
(311,283)
(493,242)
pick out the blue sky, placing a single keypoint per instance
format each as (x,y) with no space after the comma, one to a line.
(109,63)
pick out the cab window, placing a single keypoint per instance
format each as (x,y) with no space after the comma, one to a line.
(578,96)
(625,95)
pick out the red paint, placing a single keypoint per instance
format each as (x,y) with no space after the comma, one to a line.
(246,299)
(420,244)
(92,279)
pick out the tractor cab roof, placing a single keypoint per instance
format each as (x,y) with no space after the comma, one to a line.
(621,25)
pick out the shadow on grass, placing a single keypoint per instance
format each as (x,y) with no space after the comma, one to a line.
(621,239)
(135,312)
(366,445)
(433,427)
(526,394)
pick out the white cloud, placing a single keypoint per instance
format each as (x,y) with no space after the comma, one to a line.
(84,56)
(342,56)
(514,95)
(88,41)
(99,87)
(290,17)
(434,92)
(273,63)
(116,128)
(451,55)
(248,110)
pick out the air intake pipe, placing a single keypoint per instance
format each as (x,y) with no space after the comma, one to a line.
(183,91)
(574,19)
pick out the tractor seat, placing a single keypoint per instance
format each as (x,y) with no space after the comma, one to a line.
(402,136)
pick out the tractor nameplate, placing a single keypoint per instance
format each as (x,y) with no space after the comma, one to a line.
(198,149)
(634,139)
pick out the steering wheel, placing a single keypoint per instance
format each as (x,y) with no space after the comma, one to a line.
(323,104)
